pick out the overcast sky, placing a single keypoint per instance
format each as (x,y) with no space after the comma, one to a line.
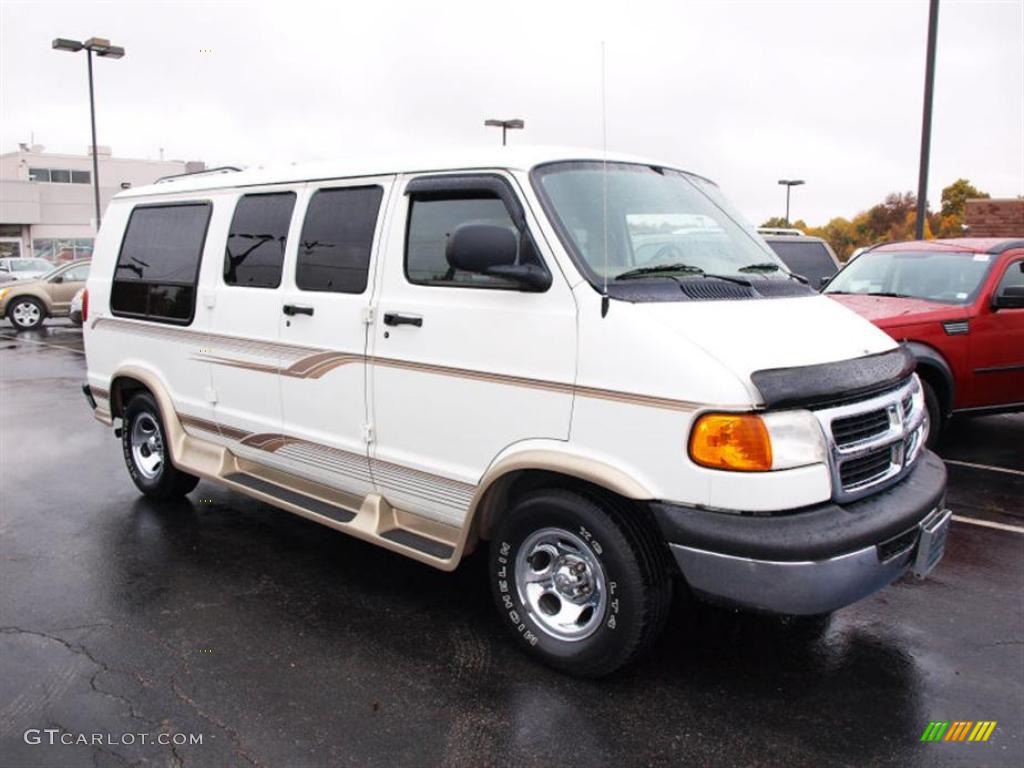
(743,92)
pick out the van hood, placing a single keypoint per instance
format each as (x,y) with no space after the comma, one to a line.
(748,336)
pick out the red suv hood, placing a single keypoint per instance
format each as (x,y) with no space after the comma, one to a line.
(890,311)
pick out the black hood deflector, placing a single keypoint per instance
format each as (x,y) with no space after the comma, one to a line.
(833,383)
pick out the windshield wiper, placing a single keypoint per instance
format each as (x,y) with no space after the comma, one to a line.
(678,266)
(731,279)
(768,266)
(886,293)
(689,269)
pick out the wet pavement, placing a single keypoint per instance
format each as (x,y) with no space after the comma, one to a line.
(287,644)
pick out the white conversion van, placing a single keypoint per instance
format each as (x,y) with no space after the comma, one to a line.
(590,365)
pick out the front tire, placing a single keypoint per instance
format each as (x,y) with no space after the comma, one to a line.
(935,420)
(146,452)
(583,584)
(26,313)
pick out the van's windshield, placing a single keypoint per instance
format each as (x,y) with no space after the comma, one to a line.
(626,220)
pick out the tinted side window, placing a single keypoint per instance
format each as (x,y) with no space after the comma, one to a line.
(1013,277)
(256,240)
(158,265)
(337,236)
(432,220)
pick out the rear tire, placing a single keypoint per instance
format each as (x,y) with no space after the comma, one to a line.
(146,453)
(26,313)
(583,584)
(935,420)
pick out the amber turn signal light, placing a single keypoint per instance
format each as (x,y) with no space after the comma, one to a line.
(736,441)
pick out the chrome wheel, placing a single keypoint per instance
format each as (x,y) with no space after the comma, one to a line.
(26,314)
(147,446)
(561,583)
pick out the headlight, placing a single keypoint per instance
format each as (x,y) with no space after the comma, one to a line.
(797,440)
(749,442)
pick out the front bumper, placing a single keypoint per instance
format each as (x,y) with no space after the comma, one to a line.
(815,560)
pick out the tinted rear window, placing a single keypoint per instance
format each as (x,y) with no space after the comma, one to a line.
(256,240)
(337,236)
(158,265)
(809,259)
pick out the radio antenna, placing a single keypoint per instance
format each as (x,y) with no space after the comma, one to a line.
(604,182)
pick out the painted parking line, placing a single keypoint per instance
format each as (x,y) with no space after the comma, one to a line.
(21,340)
(989,524)
(1005,470)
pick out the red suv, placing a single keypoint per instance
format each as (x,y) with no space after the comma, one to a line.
(959,307)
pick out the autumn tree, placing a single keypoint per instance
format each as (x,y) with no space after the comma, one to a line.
(954,202)
(892,219)
(841,234)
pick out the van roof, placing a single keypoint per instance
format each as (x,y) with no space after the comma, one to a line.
(520,158)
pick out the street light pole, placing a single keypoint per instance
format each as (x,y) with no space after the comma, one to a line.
(101,47)
(926,120)
(789,184)
(505,125)
(95,152)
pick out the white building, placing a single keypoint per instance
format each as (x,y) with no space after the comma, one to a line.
(46,199)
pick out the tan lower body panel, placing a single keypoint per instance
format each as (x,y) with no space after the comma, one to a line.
(368,517)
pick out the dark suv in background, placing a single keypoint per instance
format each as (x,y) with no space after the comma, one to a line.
(810,257)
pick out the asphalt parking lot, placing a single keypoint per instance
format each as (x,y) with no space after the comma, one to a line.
(287,644)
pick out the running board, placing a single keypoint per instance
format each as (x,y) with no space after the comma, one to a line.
(317,506)
(370,517)
(413,540)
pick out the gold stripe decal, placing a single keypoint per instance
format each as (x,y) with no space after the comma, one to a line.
(300,362)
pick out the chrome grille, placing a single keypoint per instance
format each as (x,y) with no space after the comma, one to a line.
(866,469)
(874,442)
(851,430)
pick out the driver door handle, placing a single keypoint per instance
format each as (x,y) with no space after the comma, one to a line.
(393,318)
(294,309)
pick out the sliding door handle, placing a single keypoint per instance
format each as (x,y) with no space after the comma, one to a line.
(393,318)
(294,309)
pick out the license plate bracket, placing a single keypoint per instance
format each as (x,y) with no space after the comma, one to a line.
(932,544)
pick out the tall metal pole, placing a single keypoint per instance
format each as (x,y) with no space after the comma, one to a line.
(926,123)
(504,132)
(788,187)
(95,149)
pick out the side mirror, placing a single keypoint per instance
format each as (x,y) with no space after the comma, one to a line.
(1011,297)
(489,249)
(58,279)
